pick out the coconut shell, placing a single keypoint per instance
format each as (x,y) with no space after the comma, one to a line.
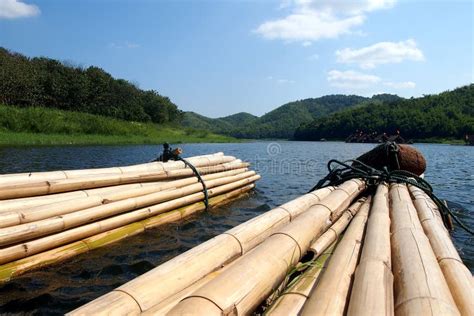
(409,158)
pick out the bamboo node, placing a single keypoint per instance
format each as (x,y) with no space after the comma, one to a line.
(240,244)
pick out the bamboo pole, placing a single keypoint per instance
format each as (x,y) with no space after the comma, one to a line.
(54,256)
(20,203)
(372,292)
(330,295)
(241,288)
(38,245)
(28,215)
(419,285)
(18,233)
(70,174)
(180,272)
(163,307)
(457,275)
(333,233)
(15,190)
(317,248)
(259,228)
(292,300)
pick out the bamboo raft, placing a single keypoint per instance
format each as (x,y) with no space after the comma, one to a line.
(48,217)
(346,249)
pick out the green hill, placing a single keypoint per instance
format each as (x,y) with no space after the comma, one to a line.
(279,123)
(46,82)
(446,115)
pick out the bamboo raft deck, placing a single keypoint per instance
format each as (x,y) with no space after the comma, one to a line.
(367,253)
(350,249)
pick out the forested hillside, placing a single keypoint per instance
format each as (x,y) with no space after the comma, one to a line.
(446,115)
(47,82)
(219,125)
(281,122)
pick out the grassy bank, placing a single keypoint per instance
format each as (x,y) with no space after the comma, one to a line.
(45,126)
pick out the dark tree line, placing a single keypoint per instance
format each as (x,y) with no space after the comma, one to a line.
(448,114)
(49,83)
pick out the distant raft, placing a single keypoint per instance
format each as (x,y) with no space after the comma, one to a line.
(48,217)
(355,248)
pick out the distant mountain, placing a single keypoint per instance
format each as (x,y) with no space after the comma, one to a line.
(446,115)
(281,122)
(240,118)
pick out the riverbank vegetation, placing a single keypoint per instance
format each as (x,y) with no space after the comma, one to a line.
(448,115)
(50,83)
(44,126)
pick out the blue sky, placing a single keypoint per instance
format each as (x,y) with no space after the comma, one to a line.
(222,57)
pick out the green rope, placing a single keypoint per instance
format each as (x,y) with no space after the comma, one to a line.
(359,170)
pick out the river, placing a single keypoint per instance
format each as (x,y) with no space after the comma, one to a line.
(288,170)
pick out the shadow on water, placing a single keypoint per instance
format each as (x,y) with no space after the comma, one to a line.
(288,170)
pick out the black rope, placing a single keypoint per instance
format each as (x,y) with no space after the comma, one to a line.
(200,179)
(170,154)
(358,170)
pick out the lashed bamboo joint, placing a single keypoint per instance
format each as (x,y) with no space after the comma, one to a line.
(100,206)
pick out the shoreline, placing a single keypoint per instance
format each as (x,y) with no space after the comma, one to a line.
(14,139)
(175,136)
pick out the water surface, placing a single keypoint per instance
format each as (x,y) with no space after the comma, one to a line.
(288,170)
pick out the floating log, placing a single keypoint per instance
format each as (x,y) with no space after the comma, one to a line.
(197,161)
(372,291)
(457,275)
(419,284)
(16,190)
(241,288)
(179,273)
(330,295)
(54,256)
(36,213)
(18,233)
(45,243)
(19,204)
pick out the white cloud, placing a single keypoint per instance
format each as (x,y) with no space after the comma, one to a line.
(313,57)
(125,44)
(400,85)
(12,9)
(285,81)
(306,43)
(346,7)
(311,20)
(351,79)
(308,25)
(381,53)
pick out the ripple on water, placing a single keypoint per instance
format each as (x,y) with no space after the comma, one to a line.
(61,288)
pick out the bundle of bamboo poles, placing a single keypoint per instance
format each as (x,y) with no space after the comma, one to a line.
(47,217)
(334,251)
